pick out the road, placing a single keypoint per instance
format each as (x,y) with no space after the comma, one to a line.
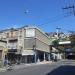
(66,67)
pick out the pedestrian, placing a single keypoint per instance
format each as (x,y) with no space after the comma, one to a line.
(5,62)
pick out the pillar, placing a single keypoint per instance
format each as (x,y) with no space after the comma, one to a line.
(35,56)
(44,56)
(49,56)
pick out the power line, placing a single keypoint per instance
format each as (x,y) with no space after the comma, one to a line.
(54,19)
(70,7)
(59,17)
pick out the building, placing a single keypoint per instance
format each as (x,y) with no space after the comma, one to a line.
(67,48)
(3,50)
(56,52)
(27,44)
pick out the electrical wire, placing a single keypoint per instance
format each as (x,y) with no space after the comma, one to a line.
(54,19)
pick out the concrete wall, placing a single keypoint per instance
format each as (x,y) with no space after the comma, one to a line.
(42,46)
(29,43)
(37,38)
(41,36)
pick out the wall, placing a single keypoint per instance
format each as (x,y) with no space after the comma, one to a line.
(3,47)
(42,37)
(29,43)
(35,37)
(42,46)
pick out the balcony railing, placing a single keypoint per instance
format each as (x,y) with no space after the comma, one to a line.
(12,38)
(12,46)
(12,50)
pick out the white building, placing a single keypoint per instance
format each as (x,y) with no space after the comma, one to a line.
(27,44)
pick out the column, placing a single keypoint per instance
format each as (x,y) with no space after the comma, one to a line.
(49,56)
(38,60)
(44,56)
(35,56)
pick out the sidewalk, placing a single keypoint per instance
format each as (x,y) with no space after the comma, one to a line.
(21,66)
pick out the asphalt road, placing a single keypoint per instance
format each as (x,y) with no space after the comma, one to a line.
(60,68)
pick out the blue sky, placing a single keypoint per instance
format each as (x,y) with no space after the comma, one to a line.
(46,14)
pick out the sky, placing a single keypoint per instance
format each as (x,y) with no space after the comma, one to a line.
(46,14)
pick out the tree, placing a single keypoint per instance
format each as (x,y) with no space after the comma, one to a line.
(72,36)
(72,39)
(55,43)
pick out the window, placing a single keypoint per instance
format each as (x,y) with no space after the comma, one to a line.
(30,32)
(11,33)
(20,33)
(7,35)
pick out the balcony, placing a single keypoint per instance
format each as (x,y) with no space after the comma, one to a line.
(12,50)
(12,47)
(12,38)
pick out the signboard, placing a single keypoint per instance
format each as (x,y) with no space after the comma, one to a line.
(65,42)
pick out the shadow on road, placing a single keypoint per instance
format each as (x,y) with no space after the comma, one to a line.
(63,70)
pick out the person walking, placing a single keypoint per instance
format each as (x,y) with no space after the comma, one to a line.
(5,62)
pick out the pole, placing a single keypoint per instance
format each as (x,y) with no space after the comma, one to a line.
(44,56)
(57,30)
(34,48)
(35,56)
(49,56)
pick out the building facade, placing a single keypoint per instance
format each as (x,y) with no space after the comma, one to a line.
(56,53)
(3,51)
(26,45)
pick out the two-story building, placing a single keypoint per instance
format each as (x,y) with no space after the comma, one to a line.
(27,44)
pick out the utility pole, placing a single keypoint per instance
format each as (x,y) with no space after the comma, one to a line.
(57,31)
(70,7)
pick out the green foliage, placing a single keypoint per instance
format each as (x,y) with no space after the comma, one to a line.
(55,42)
(56,45)
(72,37)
